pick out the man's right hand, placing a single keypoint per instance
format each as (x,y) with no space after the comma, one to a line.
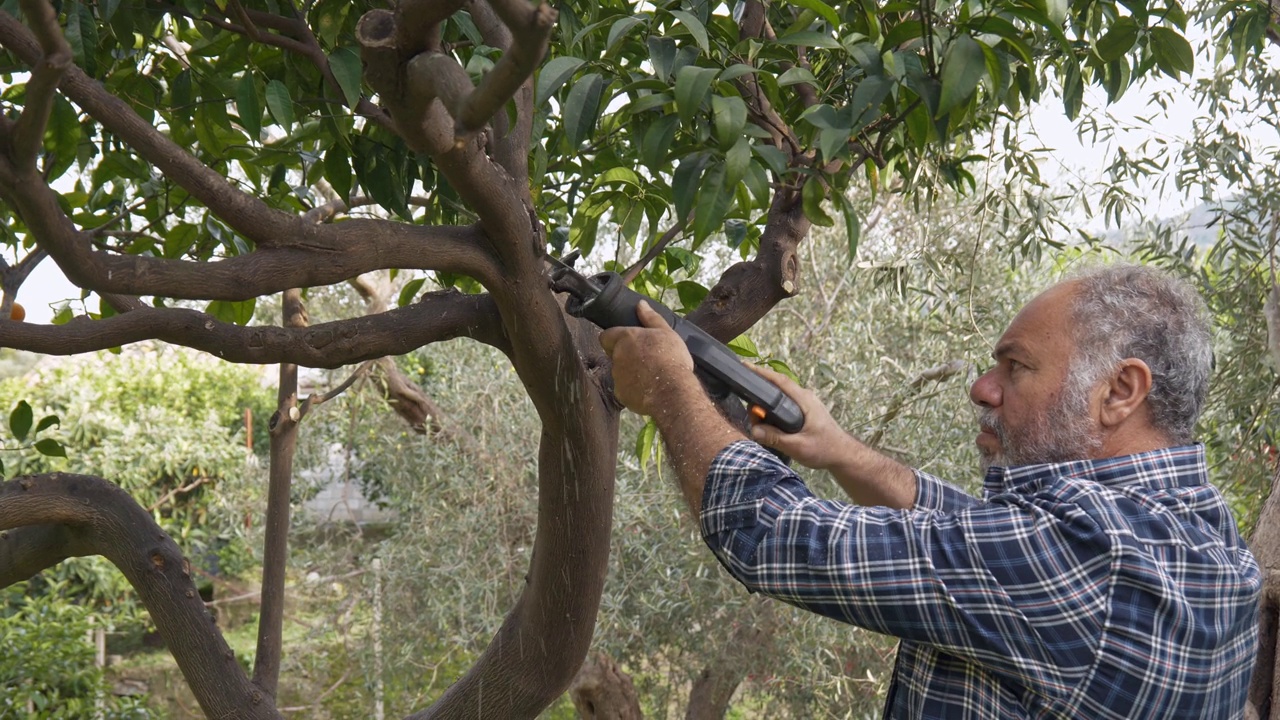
(820,444)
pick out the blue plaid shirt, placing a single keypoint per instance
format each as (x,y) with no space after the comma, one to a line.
(1109,589)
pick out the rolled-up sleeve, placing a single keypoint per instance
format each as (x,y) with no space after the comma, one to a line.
(987,581)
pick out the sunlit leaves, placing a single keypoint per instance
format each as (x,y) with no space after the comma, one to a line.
(1171,51)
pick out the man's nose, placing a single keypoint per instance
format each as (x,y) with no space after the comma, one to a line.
(985,391)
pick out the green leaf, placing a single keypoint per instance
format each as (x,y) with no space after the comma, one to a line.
(620,28)
(82,36)
(691,294)
(280,104)
(744,346)
(692,85)
(831,141)
(20,420)
(238,313)
(963,67)
(685,181)
(61,138)
(51,448)
(821,8)
(47,422)
(714,200)
(852,224)
(345,64)
(1072,91)
(646,443)
(1173,54)
(64,315)
(249,107)
(695,28)
(736,161)
(1118,40)
(582,108)
(555,73)
(735,71)
(337,170)
(811,198)
(782,367)
(730,115)
(1057,11)
(797,75)
(809,38)
(410,291)
(662,52)
(657,141)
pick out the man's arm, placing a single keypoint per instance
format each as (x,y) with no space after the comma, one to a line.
(653,375)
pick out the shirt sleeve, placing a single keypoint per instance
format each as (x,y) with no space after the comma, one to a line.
(1010,586)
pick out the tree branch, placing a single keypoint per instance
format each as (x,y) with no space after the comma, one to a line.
(26,551)
(13,277)
(28,131)
(315,256)
(510,142)
(111,523)
(437,317)
(275,553)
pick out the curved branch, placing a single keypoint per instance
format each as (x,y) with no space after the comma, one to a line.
(439,316)
(28,131)
(112,524)
(318,255)
(248,215)
(748,290)
(26,551)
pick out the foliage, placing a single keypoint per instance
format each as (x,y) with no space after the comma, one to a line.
(47,666)
(165,424)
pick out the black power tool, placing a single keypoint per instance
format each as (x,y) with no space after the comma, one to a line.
(605,300)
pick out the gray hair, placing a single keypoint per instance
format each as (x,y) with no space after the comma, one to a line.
(1133,311)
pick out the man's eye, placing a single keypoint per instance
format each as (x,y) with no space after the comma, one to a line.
(1015,365)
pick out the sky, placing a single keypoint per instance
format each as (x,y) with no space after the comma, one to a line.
(47,287)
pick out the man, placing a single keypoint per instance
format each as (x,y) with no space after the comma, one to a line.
(1101,576)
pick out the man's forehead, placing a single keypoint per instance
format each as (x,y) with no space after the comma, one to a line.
(1046,321)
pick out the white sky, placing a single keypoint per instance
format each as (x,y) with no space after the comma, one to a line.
(46,287)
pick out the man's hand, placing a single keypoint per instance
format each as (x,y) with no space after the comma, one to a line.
(821,444)
(652,367)
(867,476)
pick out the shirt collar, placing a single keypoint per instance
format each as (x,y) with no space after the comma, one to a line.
(1163,468)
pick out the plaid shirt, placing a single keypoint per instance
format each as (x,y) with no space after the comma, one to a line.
(1106,589)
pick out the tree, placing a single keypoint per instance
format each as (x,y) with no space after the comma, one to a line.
(664,125)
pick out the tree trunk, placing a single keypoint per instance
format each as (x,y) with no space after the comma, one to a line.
(748,650)
(602,691)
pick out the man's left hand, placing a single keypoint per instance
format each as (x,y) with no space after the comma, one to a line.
(652,367)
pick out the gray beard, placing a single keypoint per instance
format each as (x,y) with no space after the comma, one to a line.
(1060,434)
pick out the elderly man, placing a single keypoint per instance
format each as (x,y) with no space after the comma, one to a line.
(1100,575)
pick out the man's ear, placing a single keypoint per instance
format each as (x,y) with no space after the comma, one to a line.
(1126,392)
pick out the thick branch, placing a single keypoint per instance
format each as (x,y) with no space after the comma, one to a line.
(530,30)
(13,277)
(111,523)
(437,317)
(245,213)
(28,131)
(317,255)
(748,290)
(26,551)
(417,24)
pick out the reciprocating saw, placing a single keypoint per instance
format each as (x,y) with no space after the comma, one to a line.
(605,300)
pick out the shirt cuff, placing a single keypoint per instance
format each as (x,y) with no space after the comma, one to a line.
(933,493)
(741,475)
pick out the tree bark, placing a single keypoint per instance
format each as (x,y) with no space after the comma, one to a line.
(1264,687)
(749,650)
(602,691)
(107,521)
